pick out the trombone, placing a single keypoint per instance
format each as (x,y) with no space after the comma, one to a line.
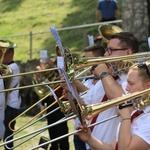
(89,62)
(89,111)
(80,63)
(63,105)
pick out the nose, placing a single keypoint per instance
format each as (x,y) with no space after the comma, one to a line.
(127,88)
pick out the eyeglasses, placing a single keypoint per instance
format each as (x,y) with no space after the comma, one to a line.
(109,50)
(144,66)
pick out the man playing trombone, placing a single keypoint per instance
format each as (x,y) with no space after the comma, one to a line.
(60,129)
(13,99)
(110,86)
(123,43)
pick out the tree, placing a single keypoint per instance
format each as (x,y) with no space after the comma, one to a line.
(136,19)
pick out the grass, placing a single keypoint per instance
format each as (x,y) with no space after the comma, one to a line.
(21,17)
(34,141)
(25,16)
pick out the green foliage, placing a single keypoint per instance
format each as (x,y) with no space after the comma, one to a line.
(22,16)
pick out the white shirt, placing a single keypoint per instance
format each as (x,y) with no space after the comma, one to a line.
(140,126)
(14,100)
(2,109)
(105,131)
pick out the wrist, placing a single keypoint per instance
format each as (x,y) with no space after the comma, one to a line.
(103,74)
(126,119)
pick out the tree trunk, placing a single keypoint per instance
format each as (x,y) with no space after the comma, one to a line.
(135,19)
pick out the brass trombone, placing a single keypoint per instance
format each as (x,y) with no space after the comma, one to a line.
(88,111)
(82,63)
(63,105)
(30,109)
(79,63)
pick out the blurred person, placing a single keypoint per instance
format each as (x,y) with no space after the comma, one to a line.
(62,128)
(13,99)
(107,10)
(133,131)
(3,47)
(95,50)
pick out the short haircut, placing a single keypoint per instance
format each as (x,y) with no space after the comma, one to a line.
(97,50)
(10,50)
(127,40)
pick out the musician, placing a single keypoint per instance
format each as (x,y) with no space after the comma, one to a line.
(95,50)
(133,131)
(3,45)
(60,129)
(123,43)
(13,100)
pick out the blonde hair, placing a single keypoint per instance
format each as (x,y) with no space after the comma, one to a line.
(142,71)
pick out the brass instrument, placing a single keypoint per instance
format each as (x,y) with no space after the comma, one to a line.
(142,100)
(4,69)
(106,31)
(88,111)
(3,47)
(64,106)
(45,77)
(73,63)
(84,62)
(85,111)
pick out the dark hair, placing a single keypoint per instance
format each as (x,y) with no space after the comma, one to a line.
(127,40)
(10,50)
(97,50)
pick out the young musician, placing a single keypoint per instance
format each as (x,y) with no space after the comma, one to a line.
(133,131)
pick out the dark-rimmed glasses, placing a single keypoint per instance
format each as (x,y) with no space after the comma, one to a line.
(144,66)
(109,50)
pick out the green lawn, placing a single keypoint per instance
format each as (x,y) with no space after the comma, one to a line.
(34,141)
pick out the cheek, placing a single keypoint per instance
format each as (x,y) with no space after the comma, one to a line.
(138,87)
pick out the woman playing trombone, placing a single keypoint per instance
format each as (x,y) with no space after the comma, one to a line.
(133,131)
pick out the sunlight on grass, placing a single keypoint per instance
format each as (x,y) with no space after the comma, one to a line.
(34,141)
